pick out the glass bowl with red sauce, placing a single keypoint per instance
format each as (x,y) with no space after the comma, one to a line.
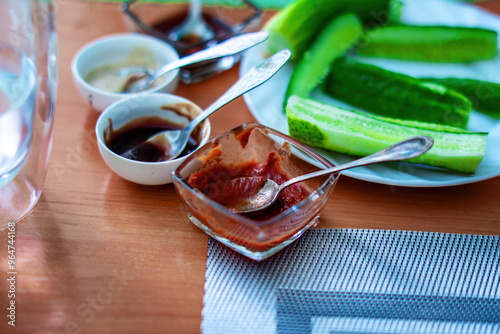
(203,182)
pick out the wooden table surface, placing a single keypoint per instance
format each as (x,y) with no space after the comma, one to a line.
(102,255)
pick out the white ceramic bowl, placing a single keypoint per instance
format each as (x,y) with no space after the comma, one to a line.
(125,111)
(117,49)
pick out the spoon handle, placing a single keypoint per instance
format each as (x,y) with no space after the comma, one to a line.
(229,47)
(253,78)
(406,149)
(195,12)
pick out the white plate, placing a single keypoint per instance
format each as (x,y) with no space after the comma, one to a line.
(266,102)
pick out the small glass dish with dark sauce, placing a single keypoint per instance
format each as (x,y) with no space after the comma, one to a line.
(253,150)
(130,122)
(226,22)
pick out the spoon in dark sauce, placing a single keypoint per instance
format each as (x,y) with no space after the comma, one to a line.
(194,27)
(121,141)
(173,142)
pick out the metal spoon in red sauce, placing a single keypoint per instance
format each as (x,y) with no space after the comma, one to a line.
(230,186)
(270,191)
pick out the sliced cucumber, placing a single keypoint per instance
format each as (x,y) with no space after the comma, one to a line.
(355,133)
(396,95)
(337,37)
(484,95)
(422,125)
(430,43)
(297,25)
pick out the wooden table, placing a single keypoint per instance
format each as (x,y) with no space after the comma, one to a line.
(102,255)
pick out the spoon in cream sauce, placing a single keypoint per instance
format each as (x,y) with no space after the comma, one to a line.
(140,79)
(137,73)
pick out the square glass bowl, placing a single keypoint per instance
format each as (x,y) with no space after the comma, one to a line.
(262,235)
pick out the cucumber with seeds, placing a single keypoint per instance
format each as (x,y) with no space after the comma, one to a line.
(355,133)
(296,26)
(484,95)
(337,37)
(430,43)
(396,95)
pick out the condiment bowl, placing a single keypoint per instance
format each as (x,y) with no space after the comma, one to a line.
(245,151)
(119,51)
(171,108)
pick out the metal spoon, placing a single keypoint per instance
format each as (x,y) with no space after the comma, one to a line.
(268,193)
(141,78)
(173,142)
(194,26)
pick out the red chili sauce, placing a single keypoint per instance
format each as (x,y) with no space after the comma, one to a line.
(218,184)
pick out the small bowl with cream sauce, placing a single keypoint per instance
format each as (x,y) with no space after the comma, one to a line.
(100,68)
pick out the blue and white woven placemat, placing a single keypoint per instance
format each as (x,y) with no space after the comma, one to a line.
(358,281)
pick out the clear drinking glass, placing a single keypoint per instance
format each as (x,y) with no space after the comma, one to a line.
(17,102)
(28,83)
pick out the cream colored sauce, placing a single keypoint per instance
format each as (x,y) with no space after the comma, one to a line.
(107,77)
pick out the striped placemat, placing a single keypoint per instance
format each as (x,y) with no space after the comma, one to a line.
(358,281)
